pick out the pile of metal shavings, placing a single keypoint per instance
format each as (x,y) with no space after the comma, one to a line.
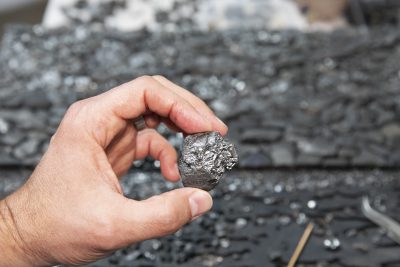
(204,159)
(258,218)
(289,99)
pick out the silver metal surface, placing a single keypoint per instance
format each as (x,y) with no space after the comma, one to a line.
(204,159)
(391,226)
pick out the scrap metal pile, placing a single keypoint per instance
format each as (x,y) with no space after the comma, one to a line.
(290,100)
(259,216)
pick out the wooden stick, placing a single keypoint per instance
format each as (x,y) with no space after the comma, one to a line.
(300,245)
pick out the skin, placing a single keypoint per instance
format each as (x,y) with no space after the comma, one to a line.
(72,210)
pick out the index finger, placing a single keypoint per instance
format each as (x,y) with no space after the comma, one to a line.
(196,102)
(134,98)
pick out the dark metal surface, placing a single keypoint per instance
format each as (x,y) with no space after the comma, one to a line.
(289,99)
(259,216)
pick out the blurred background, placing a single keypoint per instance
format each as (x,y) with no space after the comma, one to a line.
(310,90)
(21,11)
(299,14)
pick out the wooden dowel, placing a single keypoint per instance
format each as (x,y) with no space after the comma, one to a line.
(300,245)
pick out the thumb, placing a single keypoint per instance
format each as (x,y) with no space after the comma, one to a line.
(163,214)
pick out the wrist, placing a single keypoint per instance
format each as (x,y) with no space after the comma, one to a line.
(11,244)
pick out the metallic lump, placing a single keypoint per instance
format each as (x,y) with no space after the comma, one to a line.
(204,159)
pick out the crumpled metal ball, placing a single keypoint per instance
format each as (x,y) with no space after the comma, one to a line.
(204,159)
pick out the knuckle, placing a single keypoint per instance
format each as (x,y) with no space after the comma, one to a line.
(75,119)
(75,111)
(176,110)
(160,77)
(152,134)
(75,108)
(145,79)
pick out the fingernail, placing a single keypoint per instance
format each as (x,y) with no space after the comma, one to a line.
(200,202)
(223,123)
(209,123)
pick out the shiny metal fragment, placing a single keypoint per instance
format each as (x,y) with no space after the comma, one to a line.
(391,226)
(204,159)
(332,243)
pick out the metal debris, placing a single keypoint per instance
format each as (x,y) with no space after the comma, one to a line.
(391,226)
(204,159)
(332,243)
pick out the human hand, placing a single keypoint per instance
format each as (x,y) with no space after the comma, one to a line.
(72,210)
